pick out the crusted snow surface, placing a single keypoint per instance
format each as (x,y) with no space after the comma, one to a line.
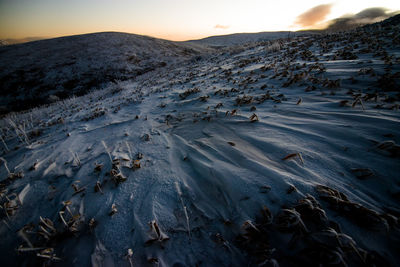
(174,165)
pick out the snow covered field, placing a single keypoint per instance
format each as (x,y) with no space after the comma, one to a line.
(283,152)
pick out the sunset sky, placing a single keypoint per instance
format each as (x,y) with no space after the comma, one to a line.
(170,19)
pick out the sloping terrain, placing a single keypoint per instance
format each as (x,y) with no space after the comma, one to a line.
(283,152)
(11,41)
(244,38)
(44,71)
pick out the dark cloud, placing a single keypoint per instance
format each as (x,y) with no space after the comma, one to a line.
(367,16)
(219,26)
(371,13)
(314,15)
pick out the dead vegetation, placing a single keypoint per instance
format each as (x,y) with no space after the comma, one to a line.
(189,92)
(304,235)
(95,113)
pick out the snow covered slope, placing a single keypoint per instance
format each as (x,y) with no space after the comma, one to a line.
(281,152)
(244,38)
(41,72)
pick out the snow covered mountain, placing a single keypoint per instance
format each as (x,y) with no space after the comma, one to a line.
(280,152)
(41,72)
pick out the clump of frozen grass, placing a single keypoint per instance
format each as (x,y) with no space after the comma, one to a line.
(274,46)
(76,159)
(107,150)
(20,124)
(179,191)
(117,87)
(129,256)
(20,130)
(129,150)
(4,143)
(5,165)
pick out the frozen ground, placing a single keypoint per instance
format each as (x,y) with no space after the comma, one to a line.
(281,152)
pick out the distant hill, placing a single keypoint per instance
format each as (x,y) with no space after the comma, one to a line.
(392,21)
(242,38)
(40,72)
(23,40)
